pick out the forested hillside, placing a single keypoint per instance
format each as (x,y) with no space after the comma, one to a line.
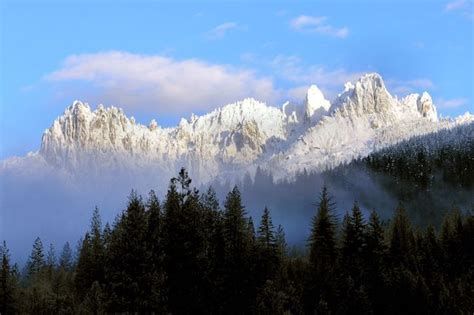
(430,175)
(188,255)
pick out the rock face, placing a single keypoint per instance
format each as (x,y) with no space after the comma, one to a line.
(426,107)
(238,137)
(316,105)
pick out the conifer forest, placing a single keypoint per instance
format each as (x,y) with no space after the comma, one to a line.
(187,254)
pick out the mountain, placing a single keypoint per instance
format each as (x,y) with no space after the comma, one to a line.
(239,137)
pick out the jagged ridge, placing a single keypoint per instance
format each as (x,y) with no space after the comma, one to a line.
(241,136)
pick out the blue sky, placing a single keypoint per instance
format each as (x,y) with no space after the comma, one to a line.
(165,60)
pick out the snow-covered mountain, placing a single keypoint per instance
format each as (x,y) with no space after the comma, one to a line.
(238,137)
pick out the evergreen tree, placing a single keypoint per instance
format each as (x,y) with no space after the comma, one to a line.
(36,260)
(97,248)
(237,254)
(268,259)
(353,244)
(282,246)
(323,234)
(402,274)
(155,248)
(84,277)
(128,271)
(214,248)
(154,227)
(266,233)
(65,259)
(91,261)
(50,262)
(322,256)
(7,282)
(93,302)
(401,239)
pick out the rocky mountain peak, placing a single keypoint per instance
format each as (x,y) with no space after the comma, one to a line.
(316,105)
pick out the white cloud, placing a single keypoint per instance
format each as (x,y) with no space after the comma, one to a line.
(455,5)
(221,30)
(156,83)
(463,7)
(317,24)
(292,69)
(451,103)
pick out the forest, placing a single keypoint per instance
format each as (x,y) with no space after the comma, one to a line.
(187,254)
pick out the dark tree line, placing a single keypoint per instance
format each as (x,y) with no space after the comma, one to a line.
(447,155)
(187,255)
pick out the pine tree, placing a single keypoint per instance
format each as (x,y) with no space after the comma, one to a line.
(282,246)
(185,259)
(402,239)
(91,261)
(374,256)
(237,254)
(155,248)
(7,284)
(402,276)
(50,262)
(128,270)
(107,235)
(266,233)
(36,260)
(65,259)
(97,247)
(323,235)
(353,243)
(268,258)
(84,277)
(323,254)
(214,247)
(93,302)
(154,225)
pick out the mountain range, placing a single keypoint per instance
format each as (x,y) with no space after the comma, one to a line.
(237,138)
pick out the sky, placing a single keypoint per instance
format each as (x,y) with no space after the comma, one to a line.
(166,60)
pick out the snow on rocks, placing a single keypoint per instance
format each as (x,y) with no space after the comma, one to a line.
(238,137)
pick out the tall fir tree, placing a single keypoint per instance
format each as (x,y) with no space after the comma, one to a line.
(91,261)
(266,233)
(353,243)
(237,254)
(66,258)
(322,256)
(50,262)
(402,240)
(7,282)
(36,260)
(156,254)
(280,239)
(127,266)
(268,259)
(214,248)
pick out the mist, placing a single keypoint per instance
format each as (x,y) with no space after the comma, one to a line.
(57,207)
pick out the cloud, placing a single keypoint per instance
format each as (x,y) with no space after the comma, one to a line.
(463,7)
(455,5)
(317,24)
(451,103)
(156,83)
(292,69)
(221,30)
(404,87)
